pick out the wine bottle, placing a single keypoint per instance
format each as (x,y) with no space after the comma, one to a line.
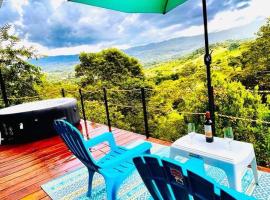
(208,128)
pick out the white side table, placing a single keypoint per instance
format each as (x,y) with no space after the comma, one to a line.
(233,160)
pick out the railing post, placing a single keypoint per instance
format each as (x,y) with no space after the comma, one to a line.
(145,113)
(83,112)
(107,109)
(63,92)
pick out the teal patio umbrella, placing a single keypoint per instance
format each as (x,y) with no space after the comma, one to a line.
(135,6)
(162,7)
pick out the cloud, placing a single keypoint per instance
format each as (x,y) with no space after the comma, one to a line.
(190,13)
(61,27)
(57,25)
(71,50)
(222,15)
(8,14)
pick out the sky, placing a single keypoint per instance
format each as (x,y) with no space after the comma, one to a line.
(58,27)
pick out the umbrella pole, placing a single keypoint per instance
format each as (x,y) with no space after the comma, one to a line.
(207,61)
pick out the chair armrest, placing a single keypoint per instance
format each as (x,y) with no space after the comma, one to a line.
(143,148)
(105,137)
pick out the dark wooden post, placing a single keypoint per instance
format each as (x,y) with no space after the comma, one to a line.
(145,113)
(63,92)
(107,109)
(83,112)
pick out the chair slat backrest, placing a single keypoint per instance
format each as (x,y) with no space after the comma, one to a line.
(225,196)
(158,176)
(231,194)
(162,184)
(176,179)
(201,188)
(74,140)
(168,179)
(146,176)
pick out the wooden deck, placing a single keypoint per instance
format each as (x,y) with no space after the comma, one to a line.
(24,168)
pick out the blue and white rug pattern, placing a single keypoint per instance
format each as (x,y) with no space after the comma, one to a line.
(73,185)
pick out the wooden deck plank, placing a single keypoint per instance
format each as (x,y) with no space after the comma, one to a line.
(35,195)
(34,157)
(158,141)
(51,173)
(19,177)
(30,170)
(12,168)
(46,198)
(23,148)
(35,186)
(29,157)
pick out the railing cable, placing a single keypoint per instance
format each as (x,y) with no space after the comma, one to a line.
(243,119)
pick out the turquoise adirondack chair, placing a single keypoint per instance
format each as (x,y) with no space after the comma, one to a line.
(115,166)
(168,179)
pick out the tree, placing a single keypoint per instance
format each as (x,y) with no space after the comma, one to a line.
(255,61)
(111,67)
(123,76)
(19,76)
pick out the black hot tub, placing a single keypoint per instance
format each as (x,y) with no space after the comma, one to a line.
(34,120)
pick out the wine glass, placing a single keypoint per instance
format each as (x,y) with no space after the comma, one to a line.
(228,135)
(191,131)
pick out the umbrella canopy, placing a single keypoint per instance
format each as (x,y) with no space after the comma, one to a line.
(135,6)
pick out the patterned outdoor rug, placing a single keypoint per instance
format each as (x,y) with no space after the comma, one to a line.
(73,185)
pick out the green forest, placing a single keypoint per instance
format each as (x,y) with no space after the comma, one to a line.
(175,90)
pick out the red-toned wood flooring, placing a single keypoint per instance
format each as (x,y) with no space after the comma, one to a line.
(25,167)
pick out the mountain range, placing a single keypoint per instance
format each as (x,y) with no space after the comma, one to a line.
(156,52)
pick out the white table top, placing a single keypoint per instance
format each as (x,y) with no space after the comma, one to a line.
(218,149)
(36,105)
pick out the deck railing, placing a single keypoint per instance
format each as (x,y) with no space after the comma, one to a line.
(81,95)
